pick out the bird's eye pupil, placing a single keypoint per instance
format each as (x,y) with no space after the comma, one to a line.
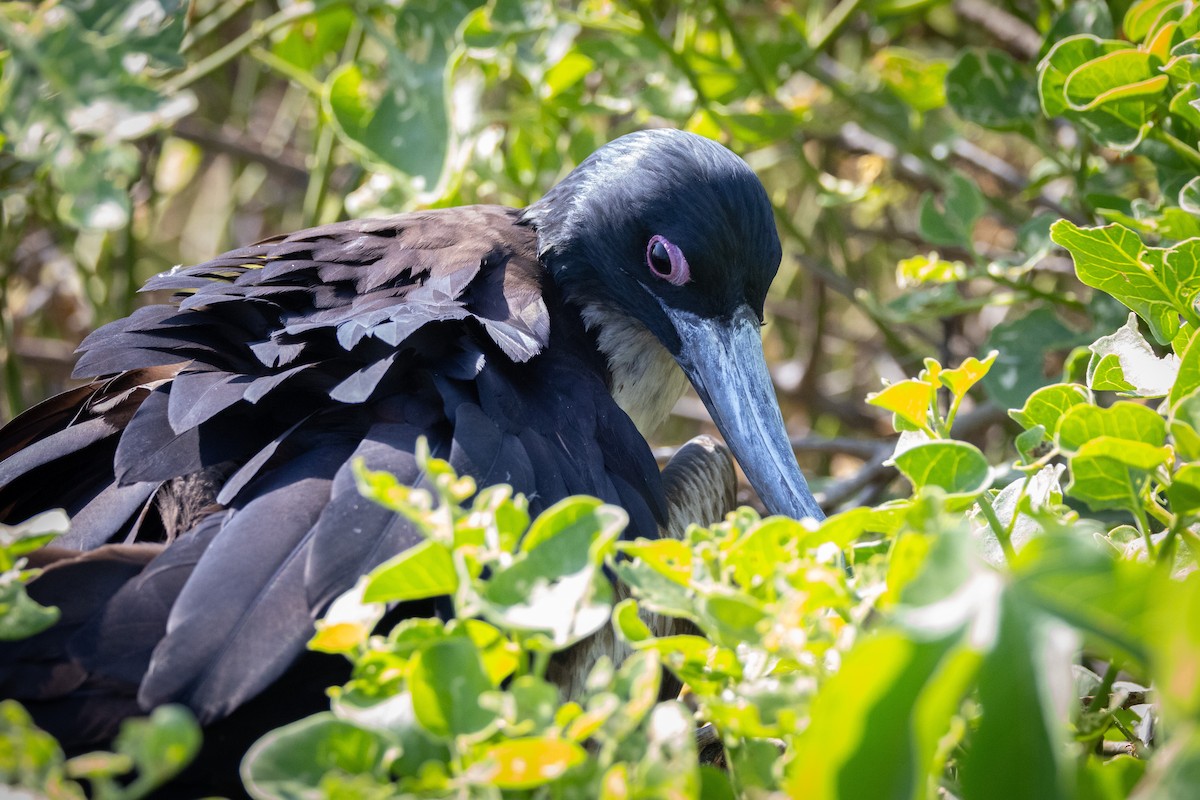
(666,261)
(660,258)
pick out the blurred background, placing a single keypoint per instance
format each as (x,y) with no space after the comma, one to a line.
(913,172)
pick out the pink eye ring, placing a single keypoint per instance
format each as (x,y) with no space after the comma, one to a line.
(666,261)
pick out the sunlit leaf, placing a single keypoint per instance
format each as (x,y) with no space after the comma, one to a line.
(960,379)
(910,400)
(1124,361)
(957,468)
(424,570)
(289,762)
(526,763)
(1125,420)
(917,80)
(882,679)
(1024,688)
(1110,472)
(1159,285)
(446,683)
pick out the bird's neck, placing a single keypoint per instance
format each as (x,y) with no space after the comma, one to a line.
(645,380)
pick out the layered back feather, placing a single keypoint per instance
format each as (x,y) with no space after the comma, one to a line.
(278,366)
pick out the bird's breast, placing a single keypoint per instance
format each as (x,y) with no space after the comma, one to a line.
(646,380)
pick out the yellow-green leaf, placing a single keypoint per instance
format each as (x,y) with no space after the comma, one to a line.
(530,762)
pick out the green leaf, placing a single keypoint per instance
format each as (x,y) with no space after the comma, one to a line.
(1068,574)
(1184,491)
(289,762)
(704,666)
(400,118)
(963,205)
(1185,426)
(1175,639)
(1024,344)
(528,762)
(446,683)
(20,616)
(162,744)
(1109,472)
(1080,16)
(569,71)
(25,537)
(309,43)
(499,655)
(1125,362)
(636,683)
(915,79)
(628,623)
(881,684)
(929,268)
(573,517)
(555,586)
(1105,375)
(425,570)
(992,89)
(654,591)
(1159,285)
(957,468)
(1187,380)
(1110,123)
(774,542)
(909,400)
(1032,444)
(669,557)
(1189,195)
(29,756)
(960,379)
(536,702)
(1185,105)
(844,527)
(1125,83)
(1146,16)
(1111,779)
(1024,687)
(1123,420)
(732,618)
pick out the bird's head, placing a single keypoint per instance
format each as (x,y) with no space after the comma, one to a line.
(677,232)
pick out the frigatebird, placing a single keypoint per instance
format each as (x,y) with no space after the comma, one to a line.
(207,467)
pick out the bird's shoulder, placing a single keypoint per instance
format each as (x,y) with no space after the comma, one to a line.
(338,289)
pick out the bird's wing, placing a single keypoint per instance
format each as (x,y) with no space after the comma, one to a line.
(291,359)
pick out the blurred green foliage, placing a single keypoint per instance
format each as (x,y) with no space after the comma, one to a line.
(1014,178)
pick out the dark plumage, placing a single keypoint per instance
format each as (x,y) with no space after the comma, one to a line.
(210,462)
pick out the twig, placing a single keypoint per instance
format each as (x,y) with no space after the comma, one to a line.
(1134,698)
(1108,747)
(240,146)
(859,448)
(211,21)
(831,26)
(870,474)
(1011,33)
(256,32)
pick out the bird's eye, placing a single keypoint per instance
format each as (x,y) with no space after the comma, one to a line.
(666,261)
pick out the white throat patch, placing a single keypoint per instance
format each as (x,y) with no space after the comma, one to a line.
(646,381)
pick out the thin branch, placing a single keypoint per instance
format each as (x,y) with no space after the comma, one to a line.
(873,473)
(211,21)
(1009,32)
(257,31)
(859,448)
(831,26)
(239,145)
